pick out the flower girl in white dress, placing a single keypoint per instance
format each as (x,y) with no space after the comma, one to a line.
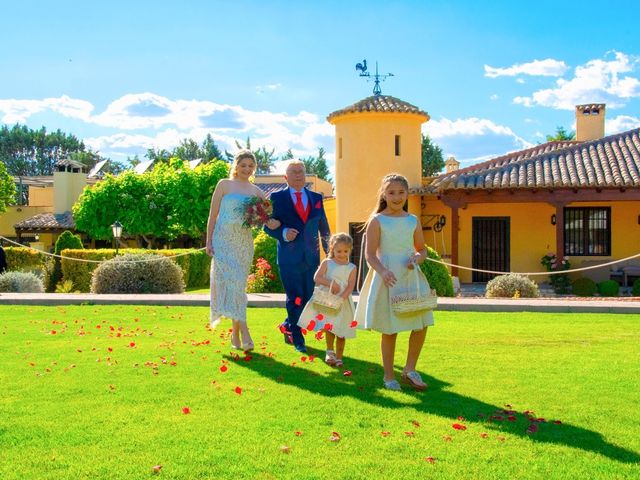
(339,275)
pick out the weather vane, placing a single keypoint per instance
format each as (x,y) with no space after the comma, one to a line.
(362,67)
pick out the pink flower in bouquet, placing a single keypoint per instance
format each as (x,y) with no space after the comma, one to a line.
(256,211)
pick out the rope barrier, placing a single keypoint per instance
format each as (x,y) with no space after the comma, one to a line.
(555,272)
(86,260)
(447,264)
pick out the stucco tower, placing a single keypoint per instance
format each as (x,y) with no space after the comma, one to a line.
(375,136)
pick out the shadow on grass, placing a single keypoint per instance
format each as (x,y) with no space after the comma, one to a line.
(365,385)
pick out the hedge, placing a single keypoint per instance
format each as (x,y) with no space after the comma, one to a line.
(23,258)
(195,267)
(437,274)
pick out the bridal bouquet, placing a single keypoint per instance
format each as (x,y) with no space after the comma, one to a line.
(256,212)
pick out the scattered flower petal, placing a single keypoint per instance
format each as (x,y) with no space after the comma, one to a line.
(298,301)
(320,317)
(430,459)
(484,435)
(459,426)
(186,410)
(156,468)
(347,373)
(409,434)
(223,368)
(311,325)
(353,324)
(298,433)
(385,433)
(285,449)
(335,437)
(533,428)
(238,390)
(415,423)
(557,422)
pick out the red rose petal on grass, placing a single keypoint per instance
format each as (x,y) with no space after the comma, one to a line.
(447,438)
(320,316)
(285,449)
(247,358)
(186,410)
(132,345)
(430,459)
(484,435)
(311,325)
(303,359)
(320,335)
(304,331)
(109,349)
(385,433)
(335,437)
(409,434)
(297,433)
(298,301)
(353,324)
(347,373)
(311,358)
(415,423)
(557,422)
(533,428)
(458,426)
(238,390)
(53,332)
(462,419)
(156,468)
(223,368)
(511,418)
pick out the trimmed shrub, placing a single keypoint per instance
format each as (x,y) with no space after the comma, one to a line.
(512,285)
(65,241)
(437,274)
(609,288)
(266,248)
(195,268)
(635,290)
(24,259)
(21,282)
(128,274)
(584,287)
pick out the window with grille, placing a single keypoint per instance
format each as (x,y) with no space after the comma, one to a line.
(587,231)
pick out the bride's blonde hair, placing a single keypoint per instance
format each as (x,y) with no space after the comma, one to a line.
(242,155)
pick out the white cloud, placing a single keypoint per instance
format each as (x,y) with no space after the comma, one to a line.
(621,123)
(600,81)
(271,87)
(19,111)
(472,139)
(546,68)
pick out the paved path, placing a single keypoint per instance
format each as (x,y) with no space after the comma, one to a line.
(277,300)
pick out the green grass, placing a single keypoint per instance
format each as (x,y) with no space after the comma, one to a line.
(70,409)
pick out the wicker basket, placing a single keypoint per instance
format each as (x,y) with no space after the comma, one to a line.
(413,300)
(324,299)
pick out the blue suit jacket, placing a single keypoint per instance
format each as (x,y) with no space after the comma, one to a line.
(304,250)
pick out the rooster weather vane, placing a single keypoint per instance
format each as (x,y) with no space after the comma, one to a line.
(362,68)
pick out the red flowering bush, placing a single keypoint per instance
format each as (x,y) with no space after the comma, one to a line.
(262,279)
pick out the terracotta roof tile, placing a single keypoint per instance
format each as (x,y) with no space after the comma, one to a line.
(379,103)
(47,221)
(610,162)
(269,188)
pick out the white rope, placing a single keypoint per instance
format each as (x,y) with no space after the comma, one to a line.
(555,272)
(86,260)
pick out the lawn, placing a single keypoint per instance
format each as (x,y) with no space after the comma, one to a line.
(101,392)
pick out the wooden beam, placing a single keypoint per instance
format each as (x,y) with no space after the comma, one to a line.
(455,223)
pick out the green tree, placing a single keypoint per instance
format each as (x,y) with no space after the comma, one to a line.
(264,158)
(169,201)
(27,152)
(91,159)
(317,165)
(7,189)
(432,158)
(187,150)
(561,135)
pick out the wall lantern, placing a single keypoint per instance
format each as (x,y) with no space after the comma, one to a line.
(116,229)
(553,219)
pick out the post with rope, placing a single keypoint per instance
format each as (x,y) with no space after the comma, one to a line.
(116,229)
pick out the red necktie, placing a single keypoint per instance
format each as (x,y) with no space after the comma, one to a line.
(302,212)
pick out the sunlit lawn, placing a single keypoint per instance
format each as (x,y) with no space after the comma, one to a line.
(98,392)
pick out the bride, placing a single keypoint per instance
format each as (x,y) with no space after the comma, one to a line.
(231,246)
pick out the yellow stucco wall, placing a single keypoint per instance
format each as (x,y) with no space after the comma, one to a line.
(40,196)
(16,214)
(365,152)
(68,187)
(532,235)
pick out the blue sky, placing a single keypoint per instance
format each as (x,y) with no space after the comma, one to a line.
(494,76)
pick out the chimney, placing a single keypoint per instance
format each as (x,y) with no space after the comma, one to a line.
(451,165)
(590,121)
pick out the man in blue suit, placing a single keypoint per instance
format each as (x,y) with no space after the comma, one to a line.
(302,217)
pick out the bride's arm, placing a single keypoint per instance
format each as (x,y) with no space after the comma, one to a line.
(214,209)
